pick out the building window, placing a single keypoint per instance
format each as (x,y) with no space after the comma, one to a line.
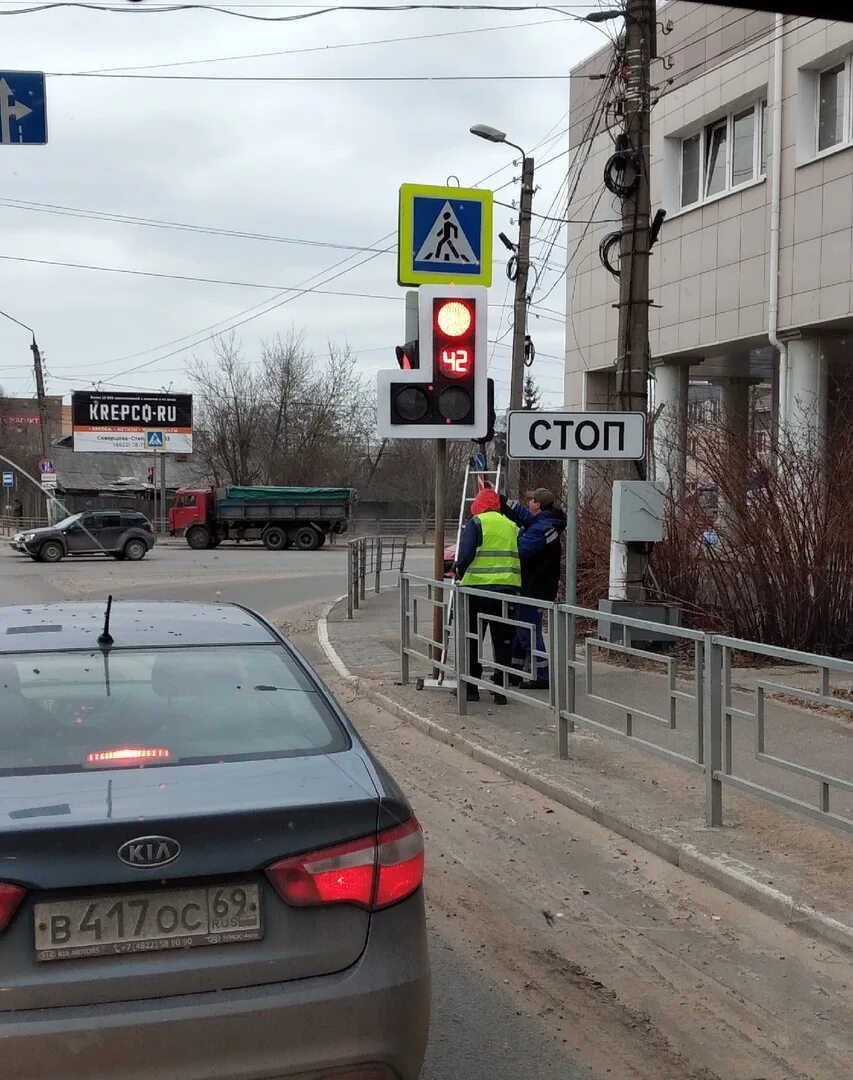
(724,155)
(833,106)
(691,151)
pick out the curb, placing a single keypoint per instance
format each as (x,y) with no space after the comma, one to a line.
(730,879)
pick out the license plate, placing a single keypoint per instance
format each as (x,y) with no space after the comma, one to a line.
(147,921)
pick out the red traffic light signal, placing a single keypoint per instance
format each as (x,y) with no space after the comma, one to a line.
(440,391)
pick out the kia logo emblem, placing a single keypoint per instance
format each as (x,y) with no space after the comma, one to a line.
(145,851)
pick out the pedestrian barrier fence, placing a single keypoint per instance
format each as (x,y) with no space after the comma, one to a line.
(367,558)
(691,714)
(11,525)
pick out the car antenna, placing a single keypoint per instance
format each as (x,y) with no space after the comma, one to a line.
(106,638)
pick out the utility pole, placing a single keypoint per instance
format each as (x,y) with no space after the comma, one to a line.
(630,173)
(43,417)
(163,513)
(438,557)
(519,326)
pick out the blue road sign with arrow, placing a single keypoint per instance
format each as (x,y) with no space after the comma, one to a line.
(23,108)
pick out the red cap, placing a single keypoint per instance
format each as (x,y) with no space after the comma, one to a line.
(487,500)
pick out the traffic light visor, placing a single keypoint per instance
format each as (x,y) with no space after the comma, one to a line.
(454,318)
(407,356)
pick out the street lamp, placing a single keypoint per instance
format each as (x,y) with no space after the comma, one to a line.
(519,328)
(604,16)
(42,403)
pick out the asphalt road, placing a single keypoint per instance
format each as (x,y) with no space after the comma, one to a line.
(267,581)
(559,951)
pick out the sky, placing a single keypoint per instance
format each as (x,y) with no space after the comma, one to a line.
(316,157)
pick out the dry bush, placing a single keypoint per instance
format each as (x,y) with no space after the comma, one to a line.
(780,568)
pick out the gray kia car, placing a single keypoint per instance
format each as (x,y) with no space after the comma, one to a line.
(124,534)
(205,874)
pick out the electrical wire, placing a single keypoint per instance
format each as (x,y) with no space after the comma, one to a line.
(334,47)
(156,223)
(313,78)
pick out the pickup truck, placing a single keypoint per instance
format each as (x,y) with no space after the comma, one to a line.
(280,517)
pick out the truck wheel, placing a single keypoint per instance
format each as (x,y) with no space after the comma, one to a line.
(275,539)
(198,538)
(323,539)
(306,538)
(51,551)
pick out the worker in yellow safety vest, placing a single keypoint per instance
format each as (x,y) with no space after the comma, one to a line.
(488,559)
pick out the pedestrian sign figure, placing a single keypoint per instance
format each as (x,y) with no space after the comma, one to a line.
(155,440)
(448,232)
(452,247)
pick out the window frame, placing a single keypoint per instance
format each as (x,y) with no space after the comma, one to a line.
(759,164)
(846,139)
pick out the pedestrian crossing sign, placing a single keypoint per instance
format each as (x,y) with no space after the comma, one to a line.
(445,236)
(155,440)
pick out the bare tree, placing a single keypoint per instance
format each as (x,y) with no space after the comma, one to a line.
(288,420)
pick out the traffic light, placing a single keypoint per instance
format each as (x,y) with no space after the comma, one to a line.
(407,355)
(441,391)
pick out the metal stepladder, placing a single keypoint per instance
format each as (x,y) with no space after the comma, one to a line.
(477,477)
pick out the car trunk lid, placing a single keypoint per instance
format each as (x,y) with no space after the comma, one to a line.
(214,829)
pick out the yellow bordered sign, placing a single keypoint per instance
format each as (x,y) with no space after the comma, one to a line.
(445,235)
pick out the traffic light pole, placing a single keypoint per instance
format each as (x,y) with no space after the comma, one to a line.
(438,556)
(519,326)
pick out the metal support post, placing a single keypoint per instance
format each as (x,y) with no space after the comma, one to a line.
(438,555)
(350,580)
(560,675)
(163,513)
(378,568)
(572,531)
(362,570)
(461,643)
(405,638)
(713,732)
(519,327)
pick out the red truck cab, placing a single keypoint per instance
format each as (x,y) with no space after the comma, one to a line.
(192,506)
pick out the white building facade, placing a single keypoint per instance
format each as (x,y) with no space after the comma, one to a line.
(752,275)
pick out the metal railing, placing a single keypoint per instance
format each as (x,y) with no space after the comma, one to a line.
(11,525)
(367,558)
(691,715)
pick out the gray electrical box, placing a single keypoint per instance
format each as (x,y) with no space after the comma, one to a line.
(637,511)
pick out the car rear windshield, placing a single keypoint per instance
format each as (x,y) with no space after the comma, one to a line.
(71,711)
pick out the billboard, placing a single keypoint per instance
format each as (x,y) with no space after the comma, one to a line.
(137,423)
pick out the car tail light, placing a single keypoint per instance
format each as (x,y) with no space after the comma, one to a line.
(128,757)
(10,899)
(372,873)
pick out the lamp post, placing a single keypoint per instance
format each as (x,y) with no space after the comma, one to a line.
(519,329)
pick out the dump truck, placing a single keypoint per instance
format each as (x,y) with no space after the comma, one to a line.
(280,517)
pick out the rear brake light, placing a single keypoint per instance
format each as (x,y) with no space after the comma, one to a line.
(128,756)
(10,899)
(371,873)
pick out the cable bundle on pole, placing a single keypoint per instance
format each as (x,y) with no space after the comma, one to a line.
(608,243)
(624,161)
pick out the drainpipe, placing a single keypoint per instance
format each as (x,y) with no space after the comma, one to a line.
(775,207)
